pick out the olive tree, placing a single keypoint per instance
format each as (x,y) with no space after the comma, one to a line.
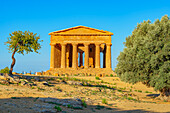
(22,42)
(146,56)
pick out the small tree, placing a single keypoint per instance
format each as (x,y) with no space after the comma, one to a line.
(146,57)
(5,70)
(22,42)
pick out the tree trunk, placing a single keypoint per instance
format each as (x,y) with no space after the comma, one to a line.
(13,61)
(165,94)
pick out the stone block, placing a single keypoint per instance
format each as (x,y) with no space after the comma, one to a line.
(14,73)
(56,74)
(38,73)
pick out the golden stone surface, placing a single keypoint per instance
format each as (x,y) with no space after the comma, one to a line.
(77,50)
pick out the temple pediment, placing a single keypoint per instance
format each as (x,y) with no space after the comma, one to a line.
(81,30)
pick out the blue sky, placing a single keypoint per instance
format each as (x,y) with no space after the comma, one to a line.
(39,16)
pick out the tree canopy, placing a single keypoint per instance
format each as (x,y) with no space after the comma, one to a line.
(22,42)
(146,56)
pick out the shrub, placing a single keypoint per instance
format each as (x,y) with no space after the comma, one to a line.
(147,92)
(97,78)
(84,103)
(40,89)
(36,99)
(69,106)
(58,108)
(104,101)
(15,98)
(5,70)
(140,91)
(59,89)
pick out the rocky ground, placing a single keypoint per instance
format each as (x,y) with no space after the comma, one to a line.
(74,94)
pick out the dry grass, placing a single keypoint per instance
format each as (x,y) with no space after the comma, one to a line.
(109,92)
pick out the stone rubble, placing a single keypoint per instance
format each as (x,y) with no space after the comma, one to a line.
(74,102)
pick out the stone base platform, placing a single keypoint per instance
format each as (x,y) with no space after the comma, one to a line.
(89,71)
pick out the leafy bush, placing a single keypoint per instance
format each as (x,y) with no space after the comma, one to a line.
(97,78)
(58,108)
(140,91)
(104,101)
(15,98)
(5,70)
(147,92)
(84,103)
(69,106)
(146,56)
(59,89)
(111,75)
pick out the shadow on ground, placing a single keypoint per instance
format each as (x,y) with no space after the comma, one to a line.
(51,105)
(153,95)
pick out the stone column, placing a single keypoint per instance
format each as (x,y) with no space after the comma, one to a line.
(63,55)
(86,52)
(77,58)
(81,58)
(108,56)
(74,64)
(52,59)
(104,57)
(97,65)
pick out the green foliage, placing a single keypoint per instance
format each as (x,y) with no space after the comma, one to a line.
(147,92)
(99,107)
(15,98)
(111,75)
(23,42)
(146,56)
(140,91)
(36,99)
(58,108)
(104,101)
(5,70)
(59,89)
(69,106)
(97,78)
(84,103)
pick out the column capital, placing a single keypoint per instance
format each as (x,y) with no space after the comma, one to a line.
(75,44)
(97,43)
(108,44)
(52,44)
(63,44)
(86,44)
